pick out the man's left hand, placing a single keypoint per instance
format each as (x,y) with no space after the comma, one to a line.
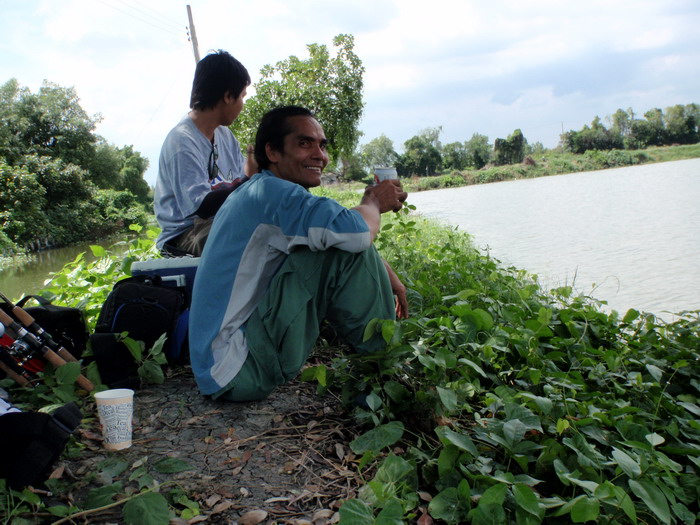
(399,290)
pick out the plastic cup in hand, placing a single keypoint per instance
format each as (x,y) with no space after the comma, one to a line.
(381,174)
(116,410)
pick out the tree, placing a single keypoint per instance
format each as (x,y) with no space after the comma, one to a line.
(681,124)
(131,174)
(510,150)
(622,122)
(455,156)
(478,151)
(53,165)
(50,123)
(378,152)
(22,202)
(331,87)
(422,154)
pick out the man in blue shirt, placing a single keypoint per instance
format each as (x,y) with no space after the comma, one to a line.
(280,260)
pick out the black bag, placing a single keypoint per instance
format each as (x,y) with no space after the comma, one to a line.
(32,441)
(65,324)
(146,309)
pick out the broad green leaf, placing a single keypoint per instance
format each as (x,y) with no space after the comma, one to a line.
(494,495)
(315,373)
(356,512)
(388,329)
(446,506)
(655,439)
(471,364)
(448,398)
(68,373)
(630,316)
(102,496)
(97,250)
(655,372)
(585,509)
(60,510)
(151,372)
(485,319)
(526,499)
(148,509)
(514,430)
(626,503)
(391,514)
(134,347)
(461,441)
(370,329)
(691,407)
(490,511)
(682,512)
(652,497)
(396,391)
(378,438)
(172,465)
(373,401)
(628,465)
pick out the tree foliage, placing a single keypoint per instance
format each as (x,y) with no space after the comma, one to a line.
(422,154)
(510,150)
(378,152)
(56,171)
(330,86)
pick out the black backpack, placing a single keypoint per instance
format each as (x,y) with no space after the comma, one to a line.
(32,441)
(146,309)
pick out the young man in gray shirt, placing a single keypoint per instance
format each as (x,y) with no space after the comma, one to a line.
(201,161)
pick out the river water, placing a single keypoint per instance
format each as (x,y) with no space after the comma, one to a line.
(629,236)
(29,278)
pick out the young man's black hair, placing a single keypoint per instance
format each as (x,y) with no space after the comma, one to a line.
(215,75)
(272,130)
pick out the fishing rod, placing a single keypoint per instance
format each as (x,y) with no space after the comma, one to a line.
(44,337)
(17,332)
(10,366)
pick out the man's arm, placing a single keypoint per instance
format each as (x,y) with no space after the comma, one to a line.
(385,196)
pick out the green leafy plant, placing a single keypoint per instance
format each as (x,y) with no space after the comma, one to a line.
(524,405)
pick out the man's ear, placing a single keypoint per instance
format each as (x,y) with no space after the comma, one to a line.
(272,154)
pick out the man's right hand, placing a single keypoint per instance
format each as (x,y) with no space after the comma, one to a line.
(388,195)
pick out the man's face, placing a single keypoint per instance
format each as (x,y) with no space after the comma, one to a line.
(304,155)
(233,106)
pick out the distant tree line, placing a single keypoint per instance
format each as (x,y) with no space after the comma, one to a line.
(678,125)
(59,181)
(425,155)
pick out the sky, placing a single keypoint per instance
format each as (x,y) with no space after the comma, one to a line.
(468,66)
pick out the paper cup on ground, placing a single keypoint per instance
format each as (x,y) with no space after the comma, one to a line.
(116,410)
(381,174)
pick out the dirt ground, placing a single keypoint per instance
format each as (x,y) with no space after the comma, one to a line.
(282,460)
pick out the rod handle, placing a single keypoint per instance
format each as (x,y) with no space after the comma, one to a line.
(23,316)
(21,381)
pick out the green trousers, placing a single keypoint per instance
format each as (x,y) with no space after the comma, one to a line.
(346,289)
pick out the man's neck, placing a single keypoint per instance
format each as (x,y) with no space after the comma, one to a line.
(206,120)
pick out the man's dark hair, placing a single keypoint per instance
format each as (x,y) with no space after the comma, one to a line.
(274,126)
(215,75)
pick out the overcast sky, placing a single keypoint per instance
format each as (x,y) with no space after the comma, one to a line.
(469,66)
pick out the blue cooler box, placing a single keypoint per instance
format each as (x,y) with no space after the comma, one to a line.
(179,271)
